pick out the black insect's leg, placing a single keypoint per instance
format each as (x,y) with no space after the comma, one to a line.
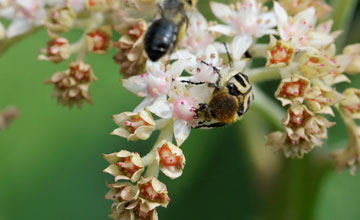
(201,83)
(202,106)
(194,83)
(240,110)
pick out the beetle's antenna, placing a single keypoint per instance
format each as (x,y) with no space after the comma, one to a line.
(231,62)
(216,85)
(214,68)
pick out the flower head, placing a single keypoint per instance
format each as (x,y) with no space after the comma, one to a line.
(170,158)
(58,49)
(153,192)
(294,122)
(122,192)
(312,66)
(135,210)
(295,6)
(155,84)
(295,28)
(198,36)
(72,85)
(180,107)
(60,19)
(124,165)
(353,51)
(244,21)
(98,40)
(279,53)
(316,129)
(134,126)
(131,55)
(292,90)
(246,18)
(351,103)
(320,99)
(278,141)
(201,68)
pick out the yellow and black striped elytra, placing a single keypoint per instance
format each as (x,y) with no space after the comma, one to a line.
(163,34)
(230,100)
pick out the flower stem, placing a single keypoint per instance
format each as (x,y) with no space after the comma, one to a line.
(290,191)
(152,170)
(342,14)
(149,160)
(262,74)
(267,108)
(7,43)
(298,183)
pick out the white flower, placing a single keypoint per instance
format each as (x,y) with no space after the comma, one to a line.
(200,68)
(170,159)
(322,35)
(294,29)
(25,14)
(180,108)
(153,85)
(134,126)
(198,36)
(245,20)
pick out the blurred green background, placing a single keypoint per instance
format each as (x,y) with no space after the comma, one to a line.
(51,164)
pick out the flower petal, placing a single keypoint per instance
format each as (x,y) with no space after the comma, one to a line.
(145,103)
(223,29)
(161,108)
(221,11)
(181,131)
(176,68)
(280,14)
(122,132)
(240,45)
(144,132)
(136,85)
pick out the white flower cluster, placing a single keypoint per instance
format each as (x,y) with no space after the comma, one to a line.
(28,14)
(300,51)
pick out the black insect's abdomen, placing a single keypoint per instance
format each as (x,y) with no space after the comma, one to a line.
(159,38)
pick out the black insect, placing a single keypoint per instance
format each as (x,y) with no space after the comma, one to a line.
(164,33)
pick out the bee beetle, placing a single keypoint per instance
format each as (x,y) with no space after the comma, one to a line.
(230,100)
(163,34)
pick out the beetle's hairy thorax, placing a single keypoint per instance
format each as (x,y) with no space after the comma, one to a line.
(224,106)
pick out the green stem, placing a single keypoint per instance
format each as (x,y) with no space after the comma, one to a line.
(297,187)
(267,108)
(291,192)
(263,74)
(149,160)
(342,14)
(7,43)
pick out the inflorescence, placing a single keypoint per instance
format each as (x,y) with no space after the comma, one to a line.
(299,50)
